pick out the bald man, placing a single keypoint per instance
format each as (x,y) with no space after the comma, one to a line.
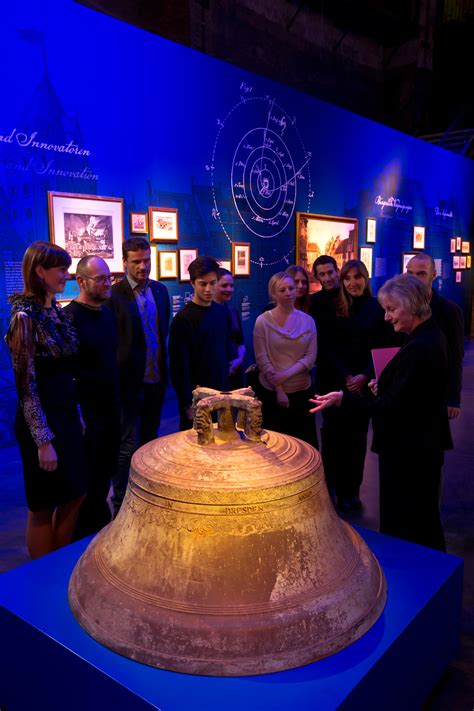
(449,318)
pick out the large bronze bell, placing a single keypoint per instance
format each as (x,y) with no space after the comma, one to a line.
(227,556)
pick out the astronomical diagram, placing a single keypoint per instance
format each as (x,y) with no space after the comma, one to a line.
(259,170)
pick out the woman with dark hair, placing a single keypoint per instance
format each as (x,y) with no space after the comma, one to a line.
(408,406)
(357,328)
(223,295)
(285,349)
(48,428)
(301,279)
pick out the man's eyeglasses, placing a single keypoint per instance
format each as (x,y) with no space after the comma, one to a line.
(101,279)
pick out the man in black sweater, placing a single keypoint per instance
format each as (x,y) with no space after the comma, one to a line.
(199,340)
(449,318)
(98,389)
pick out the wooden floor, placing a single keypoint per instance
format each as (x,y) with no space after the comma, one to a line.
(455,691)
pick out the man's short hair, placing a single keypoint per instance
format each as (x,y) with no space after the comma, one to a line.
(83,265)
(324,259)
(201,266)
(134,244)
(423,255)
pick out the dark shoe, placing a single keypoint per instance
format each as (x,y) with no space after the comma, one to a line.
(355,503)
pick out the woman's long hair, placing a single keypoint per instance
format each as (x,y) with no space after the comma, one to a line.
(345,300)
(41,254)
(302,303)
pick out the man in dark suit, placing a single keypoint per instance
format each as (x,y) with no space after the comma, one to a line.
(449,318)
(142,309)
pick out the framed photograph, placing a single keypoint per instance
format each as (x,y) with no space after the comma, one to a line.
(241,259)
(418,237)
(87,224)
(186,256)
(452,245)
(456,262)
(465,247)
(163,224)
(468,261)
(225,264)
(168,264)
(458,277)
(371,229)
(366,258)
(462,262)
(139,223)
(458,244)
(324,234)
(406,256)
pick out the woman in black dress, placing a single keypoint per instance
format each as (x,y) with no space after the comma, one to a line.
(223,295)
(48,427)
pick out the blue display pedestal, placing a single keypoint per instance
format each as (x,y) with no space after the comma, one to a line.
(48,662)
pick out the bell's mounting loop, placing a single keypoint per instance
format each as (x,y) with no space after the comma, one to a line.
(207,400)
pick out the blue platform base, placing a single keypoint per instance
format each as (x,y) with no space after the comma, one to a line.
(48,662)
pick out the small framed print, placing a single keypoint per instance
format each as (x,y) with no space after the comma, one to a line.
(406,256)
(458,244)
(241,259)
(418,237)
(163,224)
(168,263)
(468,261)
(371,229)
(458,277)
(186,256)
(465,247)
(366,258)
(138,223)
(452,245)
(456,259)
(462,262)
(225,264)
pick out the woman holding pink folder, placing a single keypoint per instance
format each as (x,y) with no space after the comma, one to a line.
(409,416)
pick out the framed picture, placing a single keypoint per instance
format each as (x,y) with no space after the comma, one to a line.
(366,258)
(241,259)
(458,244)
(139,223)
(87,224)
(456,262)
(186,256)
(225,264)
(468,261)
(462,262)
(452,245)
(458,277)
(324,234)
(163,224)
(168,264)
(465,247)
(406,256)
(418,237)
(371,229)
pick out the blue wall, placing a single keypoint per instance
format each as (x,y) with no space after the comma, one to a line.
(158,124)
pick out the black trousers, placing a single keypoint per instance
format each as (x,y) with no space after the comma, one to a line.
(294,420)
(343,449)
(409,496)
(140,422)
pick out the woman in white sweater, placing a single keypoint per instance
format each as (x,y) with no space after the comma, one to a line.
(284,341)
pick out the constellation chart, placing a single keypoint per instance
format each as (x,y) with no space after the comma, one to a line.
(259,168)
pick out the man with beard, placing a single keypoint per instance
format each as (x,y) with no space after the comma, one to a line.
(98,389)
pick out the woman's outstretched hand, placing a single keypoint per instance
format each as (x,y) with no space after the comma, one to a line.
(327,400)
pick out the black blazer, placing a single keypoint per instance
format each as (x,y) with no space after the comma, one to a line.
(450,320)
(131,353)
(410,410)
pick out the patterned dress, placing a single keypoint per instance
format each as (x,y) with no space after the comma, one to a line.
(43,344)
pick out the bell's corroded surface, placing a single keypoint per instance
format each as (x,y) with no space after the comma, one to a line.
(227,557)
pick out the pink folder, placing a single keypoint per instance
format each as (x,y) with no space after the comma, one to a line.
(381,357)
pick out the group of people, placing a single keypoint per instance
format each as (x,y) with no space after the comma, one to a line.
(91,379)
